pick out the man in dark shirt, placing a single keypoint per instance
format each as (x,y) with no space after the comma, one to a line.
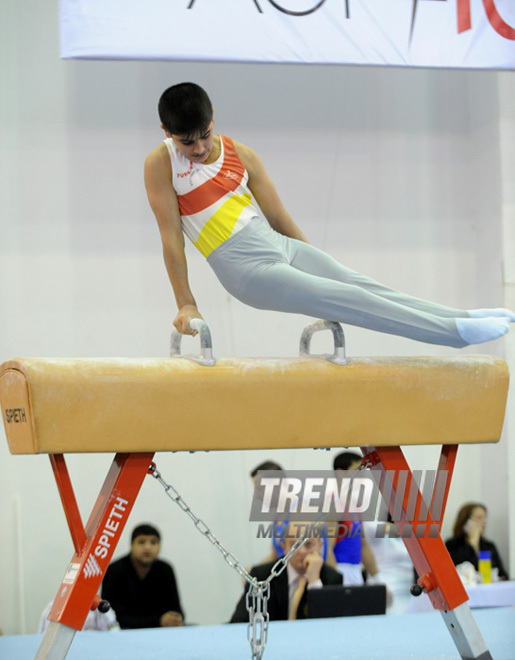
(140,587)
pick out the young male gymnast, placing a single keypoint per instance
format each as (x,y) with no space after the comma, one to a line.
(201,183)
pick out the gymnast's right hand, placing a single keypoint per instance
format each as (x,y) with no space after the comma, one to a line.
(183,318)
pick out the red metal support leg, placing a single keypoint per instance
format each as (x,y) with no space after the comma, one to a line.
(419,531)
(94,546)
(443,481)
(71,510)
(419,526)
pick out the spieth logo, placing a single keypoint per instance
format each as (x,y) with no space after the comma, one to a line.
(15,415)
(91,567)
(463,12)
(112,528)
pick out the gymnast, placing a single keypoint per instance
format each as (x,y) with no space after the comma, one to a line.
(201,183)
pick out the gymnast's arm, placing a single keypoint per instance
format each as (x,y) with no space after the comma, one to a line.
(163,200)
(266,195)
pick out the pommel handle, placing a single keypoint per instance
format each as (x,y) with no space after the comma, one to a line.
(206,346)
(338,356)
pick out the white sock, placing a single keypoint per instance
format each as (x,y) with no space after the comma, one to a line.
(477,331)
(498,312)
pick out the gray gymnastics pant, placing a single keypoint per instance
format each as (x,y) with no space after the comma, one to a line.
(267,270)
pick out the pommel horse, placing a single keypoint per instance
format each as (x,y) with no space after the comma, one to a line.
(136,407)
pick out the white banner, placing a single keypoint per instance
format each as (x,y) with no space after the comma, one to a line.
(429,33)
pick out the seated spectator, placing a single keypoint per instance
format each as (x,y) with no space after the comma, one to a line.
(305,570)
(276,549)
(266,465)
(468,540)
(96,620)
(142,588)
(351,551)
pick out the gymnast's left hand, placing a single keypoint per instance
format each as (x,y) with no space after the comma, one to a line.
(183,318)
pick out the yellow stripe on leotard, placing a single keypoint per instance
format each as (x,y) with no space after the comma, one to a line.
(220,226)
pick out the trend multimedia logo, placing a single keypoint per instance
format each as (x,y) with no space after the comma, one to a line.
(294,497)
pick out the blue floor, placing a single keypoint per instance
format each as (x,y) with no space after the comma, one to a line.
(407,637)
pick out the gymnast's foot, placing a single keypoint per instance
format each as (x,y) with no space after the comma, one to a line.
(477,331)
(484,313)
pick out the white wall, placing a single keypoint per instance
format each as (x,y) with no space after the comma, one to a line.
(396,172)
(507,140)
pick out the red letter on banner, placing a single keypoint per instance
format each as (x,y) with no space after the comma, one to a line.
(500,26)
(495,19)
(464,22)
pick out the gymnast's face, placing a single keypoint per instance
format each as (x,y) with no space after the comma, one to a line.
(145,548)
(196,148)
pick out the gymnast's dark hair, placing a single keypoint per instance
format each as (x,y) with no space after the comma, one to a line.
(145,530)
(185,109)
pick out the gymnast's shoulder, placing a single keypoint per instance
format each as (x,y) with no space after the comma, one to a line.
(247,155)
(158,167)
(158,158)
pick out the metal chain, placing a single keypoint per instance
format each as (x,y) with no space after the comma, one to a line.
(257,607)
(259,592)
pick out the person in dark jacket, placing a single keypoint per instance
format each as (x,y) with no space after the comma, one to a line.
(141,588)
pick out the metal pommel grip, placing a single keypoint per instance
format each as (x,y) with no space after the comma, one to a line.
(206,347)
(338,356)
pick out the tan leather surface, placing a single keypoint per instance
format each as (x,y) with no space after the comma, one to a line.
(130,405)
